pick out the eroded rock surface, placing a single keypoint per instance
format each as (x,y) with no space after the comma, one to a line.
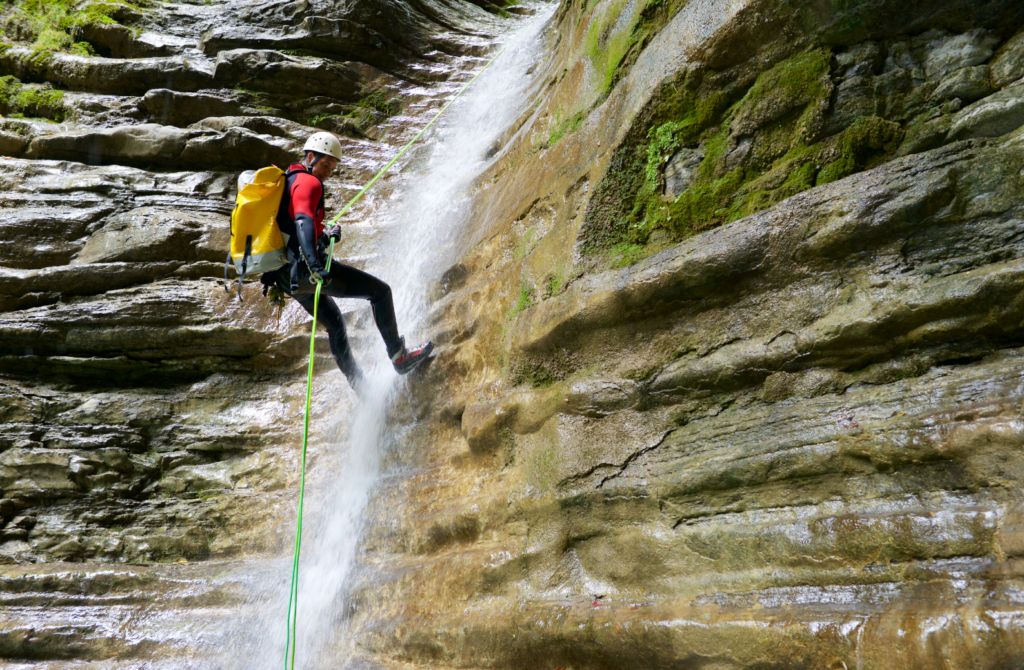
(728,370)
(148,415)
(765,412)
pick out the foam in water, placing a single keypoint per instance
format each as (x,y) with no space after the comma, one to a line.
(428,220)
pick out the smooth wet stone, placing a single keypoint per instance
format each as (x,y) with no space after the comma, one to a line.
(119,41)
(146,144)
(12,144)
(174,108)
(1008,66)
(996,115)
(968,84)
(274,72)
(341,39)
(111,75)
(154,145)
(948,54)
(155,234)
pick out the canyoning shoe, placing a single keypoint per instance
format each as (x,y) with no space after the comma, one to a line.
(406,360)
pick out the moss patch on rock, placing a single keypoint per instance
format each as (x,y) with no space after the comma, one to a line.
(372,109)
(860,145)
(57,25)
(610,37)
(565,127)
(20,101)
(759,145)
(623,31)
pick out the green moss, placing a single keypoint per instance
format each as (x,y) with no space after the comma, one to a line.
(82,49)
(562,128)
(837,169)
(554,285)
(373,108)
(314,120)
(534,374)
(40,58)
(305,53)
(378,102)
(794,83)
(51,39)
(777,114)
(703,205)
(623,47)
(18,100)
(523,245)
(642,374)
(524,300)
(609,39)
(9,88)
(865,142)
(626,254)
(56,25)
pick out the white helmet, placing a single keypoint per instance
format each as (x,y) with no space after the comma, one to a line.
(324,143)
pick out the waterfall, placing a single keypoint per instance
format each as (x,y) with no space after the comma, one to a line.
(426,216)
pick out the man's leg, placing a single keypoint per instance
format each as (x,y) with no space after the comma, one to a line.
(330,317)
(349,282)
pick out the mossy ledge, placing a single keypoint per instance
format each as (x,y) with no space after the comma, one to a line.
(757,145)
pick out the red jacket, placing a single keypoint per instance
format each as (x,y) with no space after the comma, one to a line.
(307,197)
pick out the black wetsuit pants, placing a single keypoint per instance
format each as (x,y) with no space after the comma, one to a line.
(346,282)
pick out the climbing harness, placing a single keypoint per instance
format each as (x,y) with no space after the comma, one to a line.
(293,592)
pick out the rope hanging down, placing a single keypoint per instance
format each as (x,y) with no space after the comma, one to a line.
(293,592)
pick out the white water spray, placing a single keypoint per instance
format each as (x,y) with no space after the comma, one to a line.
(428,219)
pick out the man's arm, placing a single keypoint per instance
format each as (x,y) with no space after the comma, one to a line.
(306,194)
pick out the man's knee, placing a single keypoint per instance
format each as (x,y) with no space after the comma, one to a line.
(382,293)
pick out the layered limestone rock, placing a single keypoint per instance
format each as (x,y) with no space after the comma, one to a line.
(731,367)
(149,416)
(728,371)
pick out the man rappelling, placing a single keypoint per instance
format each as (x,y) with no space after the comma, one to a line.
(300,219)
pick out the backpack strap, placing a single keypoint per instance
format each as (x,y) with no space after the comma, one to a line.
(227,263)
(245,263)
(284,221)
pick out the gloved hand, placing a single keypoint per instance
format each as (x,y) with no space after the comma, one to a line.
(318,274)
(334,232)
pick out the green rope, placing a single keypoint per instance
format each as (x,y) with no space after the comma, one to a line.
(293,592)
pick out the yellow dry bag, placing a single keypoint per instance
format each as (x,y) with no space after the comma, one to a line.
(257,244)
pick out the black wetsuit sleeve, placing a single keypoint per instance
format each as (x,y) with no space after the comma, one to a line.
(306,232)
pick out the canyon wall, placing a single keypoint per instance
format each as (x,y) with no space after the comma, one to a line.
(731,364)
(728,372)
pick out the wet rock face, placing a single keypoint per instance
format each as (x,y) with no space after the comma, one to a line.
(785,434)
(148,414)
(103,287)
(728,373)
(814,117)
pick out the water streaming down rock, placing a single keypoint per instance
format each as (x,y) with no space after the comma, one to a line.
(427,222)
(426,214)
